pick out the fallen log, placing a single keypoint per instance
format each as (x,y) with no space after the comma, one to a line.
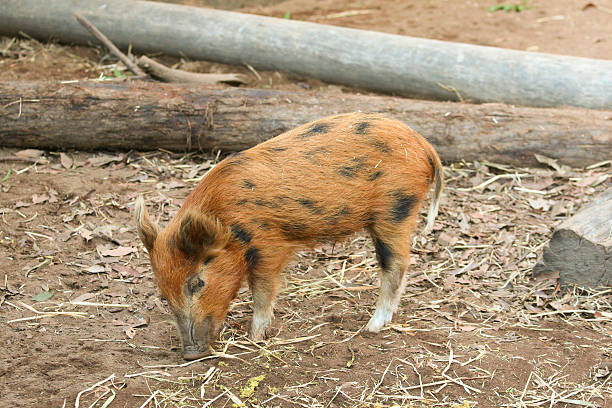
(400,65)
(178,117)
(580,249)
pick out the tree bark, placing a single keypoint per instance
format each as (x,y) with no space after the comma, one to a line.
(145,116)
(381,62)
(581,247)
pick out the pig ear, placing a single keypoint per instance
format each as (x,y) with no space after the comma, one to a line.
(201,235)
(147,230)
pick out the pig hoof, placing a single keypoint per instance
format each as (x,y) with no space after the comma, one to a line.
(193,353)
(271,332)
(263,333)
(377,322)
(258,334)
(373,327)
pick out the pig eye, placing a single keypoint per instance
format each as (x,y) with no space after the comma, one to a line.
(194,285)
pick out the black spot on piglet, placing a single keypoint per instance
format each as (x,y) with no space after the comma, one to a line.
(241,234)
(381,146)
(383,253)
(293,230)
(361,128)
(402,206)
(351,170)
(252,257)
(375,175)
(317,128)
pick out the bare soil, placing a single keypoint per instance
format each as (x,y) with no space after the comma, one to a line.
(84,325)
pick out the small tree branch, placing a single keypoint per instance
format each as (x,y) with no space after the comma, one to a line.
(176,75)
(108,44)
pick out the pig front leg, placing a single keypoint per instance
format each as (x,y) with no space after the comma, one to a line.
(264,278)
(264,281)
(264,291)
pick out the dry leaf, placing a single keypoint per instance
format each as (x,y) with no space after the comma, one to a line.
(547,160)
(124,270)
(448,283)
(117,293)
(130,332)
(66,160)
(539,184)
(539,204)
(119,251)
(106,231)
(37,199)
(138,321)
(86,234)
(446,239)
(593,180)
(561,170)
(30,153)
(20,204)
(95,269)
(102,160)
(83,297)
(53,196)
(169,186)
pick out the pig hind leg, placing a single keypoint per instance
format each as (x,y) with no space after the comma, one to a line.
(393,253)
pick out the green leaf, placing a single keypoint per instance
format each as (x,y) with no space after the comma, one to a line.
(42,296)
(8,173)
(287,16)
(117,73)
(509,7)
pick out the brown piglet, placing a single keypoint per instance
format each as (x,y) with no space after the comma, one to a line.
(317,183)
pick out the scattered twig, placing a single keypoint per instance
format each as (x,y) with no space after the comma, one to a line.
(42,315)
(108,44)
(209,403)
(271,353)
(215,355)
(176,75)
(144,404)
(93,387)
(349,13)
(94,304)
(148,373)
(253,71)
(494,179)
(452,89)
(607,315)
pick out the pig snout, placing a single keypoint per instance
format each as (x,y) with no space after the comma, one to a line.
(195,337)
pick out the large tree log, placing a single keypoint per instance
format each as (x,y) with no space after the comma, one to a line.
(580,249)
(142,115)
(395,64)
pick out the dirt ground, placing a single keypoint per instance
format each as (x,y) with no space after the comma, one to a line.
(84,325)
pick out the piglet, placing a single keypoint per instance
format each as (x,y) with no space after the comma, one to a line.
(317,183)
